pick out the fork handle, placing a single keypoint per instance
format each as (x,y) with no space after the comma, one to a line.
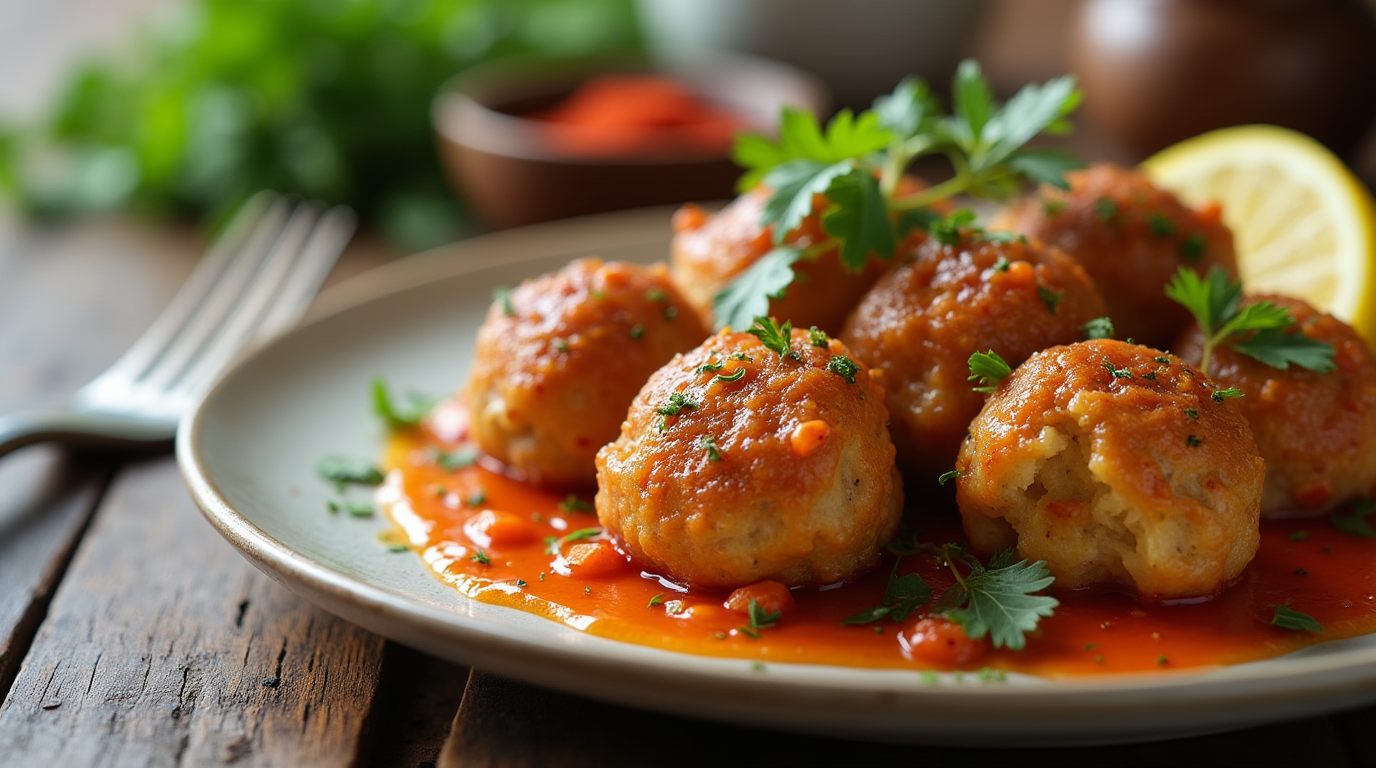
(80,429)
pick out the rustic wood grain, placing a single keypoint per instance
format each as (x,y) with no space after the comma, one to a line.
(505,724)
(163,647)
(420,695)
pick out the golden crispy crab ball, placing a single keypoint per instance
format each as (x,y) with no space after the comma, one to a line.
(710,250)
(736,466)
(1316,431)
(921,323)
(1118,466)
(560,358)
(1130,237)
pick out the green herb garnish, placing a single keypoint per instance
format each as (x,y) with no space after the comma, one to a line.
(844,367)
(1194,441)
(989,370)
(817,336)
(480,557)
(342,470)
(1255,330)
(730,377)
(1289,618)
(1049,297)
(399,416)
(451,461)
(1355,524)
(1160,226)
(572,503)
(948,476)
(502,296)
(359,508)
(582,533)
(775,337)
(1098,328)
(1219,395)
(709,444)
(858,160)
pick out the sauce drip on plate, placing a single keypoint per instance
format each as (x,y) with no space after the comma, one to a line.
(499,541)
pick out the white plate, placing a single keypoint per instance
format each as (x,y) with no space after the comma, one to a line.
(249,453)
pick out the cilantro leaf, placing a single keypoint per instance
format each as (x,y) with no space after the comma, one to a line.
(405,415)
(859,218)
(794,183)
(748,296)
(902,596)
(1356,524)
(989,370)
(761,618)
(1289,618)
(1031,111)
(1001,603)
(1280,350)
(775,337)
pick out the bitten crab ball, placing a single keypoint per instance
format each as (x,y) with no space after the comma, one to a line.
(1131,237)
(560,358)
(1316,429)
(1118,465)
(737,465)
(960,294)
(710,250)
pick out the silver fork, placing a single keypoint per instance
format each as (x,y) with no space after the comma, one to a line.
(255,281)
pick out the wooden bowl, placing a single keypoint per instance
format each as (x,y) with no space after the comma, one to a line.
(508,169)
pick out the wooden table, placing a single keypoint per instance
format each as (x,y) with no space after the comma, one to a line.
(131,634)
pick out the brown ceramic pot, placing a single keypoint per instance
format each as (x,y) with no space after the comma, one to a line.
(1159,71)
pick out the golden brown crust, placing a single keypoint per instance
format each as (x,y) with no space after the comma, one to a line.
(921,323)
(710,250)
(1142,480)
(1130,237)
(772,507)
(1317,431)
(551,381)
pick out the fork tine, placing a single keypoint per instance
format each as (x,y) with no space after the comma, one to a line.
(136,360)
(202,324)
(289,278)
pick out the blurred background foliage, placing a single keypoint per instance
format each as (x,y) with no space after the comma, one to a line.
(326,98)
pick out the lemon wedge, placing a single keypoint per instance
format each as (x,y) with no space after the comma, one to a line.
(1304,225)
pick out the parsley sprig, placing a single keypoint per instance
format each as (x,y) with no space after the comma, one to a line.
(998,599)
(405,414)
(1257,330)
(857,161)
(775,337)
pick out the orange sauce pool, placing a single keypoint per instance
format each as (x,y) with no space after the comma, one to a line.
(441,512)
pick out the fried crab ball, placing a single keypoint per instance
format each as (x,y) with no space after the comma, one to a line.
(922,322)
(1316,431)
(710,250)
(736,465)
(1130,237)
(1118,466)
(560,358)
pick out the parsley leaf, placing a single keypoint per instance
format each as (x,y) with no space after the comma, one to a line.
(1098,328)
(844,367)
(748,296)
(801,138)
(775,337)
(450,461)
(817,337)
(859,219)
(1215,303)
(405,415)
(989,370)
(948,476)
(1356,523)
(1001,603)
(902,596)
(709,443)
(909,110)
(1280,350)
(1049,297)
(1220,395)
(761,618)
(1289,618)
(793,184)
(342,470)
(1045,166)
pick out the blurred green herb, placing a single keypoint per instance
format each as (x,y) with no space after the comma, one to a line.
(330,99)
